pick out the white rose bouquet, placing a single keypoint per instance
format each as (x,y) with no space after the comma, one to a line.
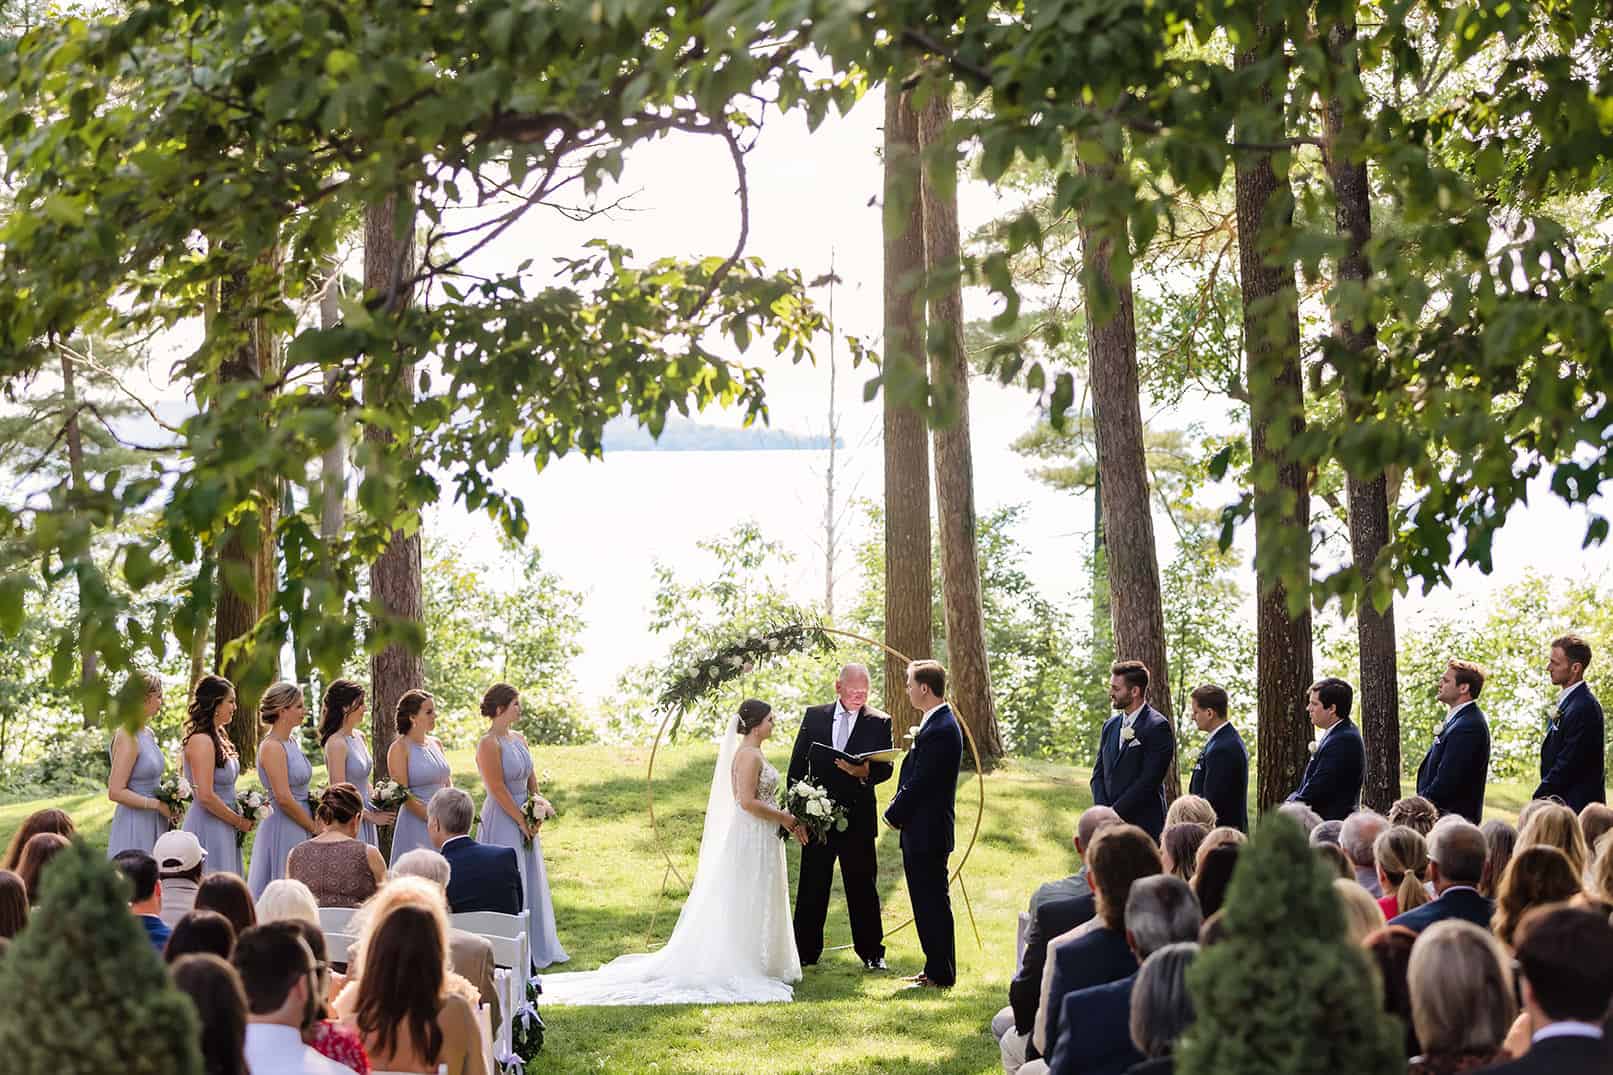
(389,796)
(809,801)
(174,792)
(535,811)
(254,806)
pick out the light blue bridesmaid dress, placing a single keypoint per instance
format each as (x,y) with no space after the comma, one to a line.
(279,834)
(134,829)
(501,829)
(217,837)
(359,767)
(428,774)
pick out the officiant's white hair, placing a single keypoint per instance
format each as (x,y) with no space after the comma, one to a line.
(859,669)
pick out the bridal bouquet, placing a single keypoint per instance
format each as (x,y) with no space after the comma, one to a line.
(174,792)
(535,811)
(254,806)
(389,796)
(809,801)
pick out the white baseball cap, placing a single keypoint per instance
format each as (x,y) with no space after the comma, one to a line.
(177,851)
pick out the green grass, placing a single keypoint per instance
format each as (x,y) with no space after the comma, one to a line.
(613,895)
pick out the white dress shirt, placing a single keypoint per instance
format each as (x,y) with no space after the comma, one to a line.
(925,719)
(1567,1028)
(1570,689)
(273,1049)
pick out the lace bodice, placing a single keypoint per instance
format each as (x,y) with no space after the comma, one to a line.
(767,781)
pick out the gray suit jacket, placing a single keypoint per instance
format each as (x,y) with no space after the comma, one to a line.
(471,957)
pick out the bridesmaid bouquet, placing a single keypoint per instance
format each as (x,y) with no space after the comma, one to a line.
(388,796)
(254,806)
(173,791)
(809,801)
(535,811)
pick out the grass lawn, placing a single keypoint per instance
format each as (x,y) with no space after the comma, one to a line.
(607,876)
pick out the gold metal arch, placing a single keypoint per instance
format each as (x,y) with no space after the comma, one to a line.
(957,874)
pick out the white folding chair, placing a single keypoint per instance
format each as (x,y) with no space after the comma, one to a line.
(495,925)
(484,1029)
(504,987)
(336,919)
(339,947)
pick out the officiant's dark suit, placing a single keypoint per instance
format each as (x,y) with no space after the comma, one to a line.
(924,809)
(859,867)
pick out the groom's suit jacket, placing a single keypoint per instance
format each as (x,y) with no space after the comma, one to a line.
(924,807)
(870,731)
(1455,768)
(1130,776)
(1572,765)
(1333,777)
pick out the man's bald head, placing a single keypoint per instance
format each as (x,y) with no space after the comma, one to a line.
(1092,819)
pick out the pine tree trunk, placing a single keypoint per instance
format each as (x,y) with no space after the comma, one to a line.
(394,577)
(1135,597)
(906,440)
(74,436)
(969,674)
(1379,697)
(333,466)
(1284,666)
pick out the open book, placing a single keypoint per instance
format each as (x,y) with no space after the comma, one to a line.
(887,755)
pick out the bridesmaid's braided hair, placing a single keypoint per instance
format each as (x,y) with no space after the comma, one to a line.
(497,697)
(408,706)
(340,697)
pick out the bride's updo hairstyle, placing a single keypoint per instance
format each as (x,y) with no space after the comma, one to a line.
(497,697)
(752,711)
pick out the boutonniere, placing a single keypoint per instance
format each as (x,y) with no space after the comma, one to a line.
(911,733)
(1127,734)
(1311,746)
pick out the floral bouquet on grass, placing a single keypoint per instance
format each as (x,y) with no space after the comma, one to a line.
(535,811)
(174,792)
(809,801)
(388,796)
(254,806)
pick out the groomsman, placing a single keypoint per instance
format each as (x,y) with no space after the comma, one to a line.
(1338,765)
(1572,766)
(1134,752)
(1221,773)
(1454,770)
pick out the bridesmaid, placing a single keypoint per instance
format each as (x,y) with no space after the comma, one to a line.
(211,766)
(137,765)
(285,773)
(415,760)
(346,758)
(506,768)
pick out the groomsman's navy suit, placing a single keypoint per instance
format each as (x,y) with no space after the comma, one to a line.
(1332,784)
(1572,765)
(482,877)
(924,808)
(1453,772)
(1129,777)
(1221,775)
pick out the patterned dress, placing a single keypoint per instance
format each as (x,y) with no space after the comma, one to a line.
(501,829)
(135,829)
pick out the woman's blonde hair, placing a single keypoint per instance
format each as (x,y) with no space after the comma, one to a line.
(276,698)
(1220,836)
(1362,915)
(415,891)
(1536,875)
(1190,808)
(1555,825)
(1402,856)
(1461,989)
(1601,876)
(287,898)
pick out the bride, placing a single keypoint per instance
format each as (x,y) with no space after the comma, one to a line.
(733,943)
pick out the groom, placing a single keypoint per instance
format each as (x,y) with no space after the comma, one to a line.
(850,726)
(923,811)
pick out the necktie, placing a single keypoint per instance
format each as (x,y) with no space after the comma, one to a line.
(842,729)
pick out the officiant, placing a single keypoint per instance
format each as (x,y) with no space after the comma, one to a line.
(848,725)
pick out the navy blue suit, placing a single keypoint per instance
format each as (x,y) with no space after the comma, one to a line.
(1572,765)
(1332,784)
(1100,957)
(1095,1032)
(1455,768)
(1049,920)
(1221,775)
(482,877)
(1460,903)
(1130,776)
(924,808)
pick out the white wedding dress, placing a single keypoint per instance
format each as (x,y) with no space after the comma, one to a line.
(734,942)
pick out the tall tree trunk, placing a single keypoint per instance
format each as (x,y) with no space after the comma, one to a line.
(969,673)
(395,576)
(74,436)
(1368,493)
(1103,624)
(333,467)
(1276,418)
(906,440)
(1135,596)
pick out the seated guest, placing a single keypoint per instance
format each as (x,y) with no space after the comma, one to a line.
(407,1017)
(215,990)
(1555,825)
(1220,836)
(1595,821)
(1303,815)
(1455,864)
(399,892)
(13,904)
(1327,833)
(1162,1008)
(1362,915)
(1179,847)
(277,974)
(483,877)
(1389,949)
(1461,998)
(1565,962)
(145,897)
(1332,856)
(1537,876)
(1052,917)
(1598,886)
(1213,876)
(179,858)
(36,855)
(321,1033)
(1501,839)
(1094,1036)
(1194,808)
(469,955)
(205,932)
(227,894)
(284,898)
(1414,812)
(1402,857)
(1332,782)
(49,820)
(1221,771)
(1358,836)
(339,869)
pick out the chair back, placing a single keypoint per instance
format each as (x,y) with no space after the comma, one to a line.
(336,919)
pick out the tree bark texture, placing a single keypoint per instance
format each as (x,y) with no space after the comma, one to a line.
(333,466)
(1284,668)
(1379,697)
(969,674)
(394,577)
(906,438)
(74,436)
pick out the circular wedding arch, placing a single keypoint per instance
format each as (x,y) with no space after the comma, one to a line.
(974,834)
